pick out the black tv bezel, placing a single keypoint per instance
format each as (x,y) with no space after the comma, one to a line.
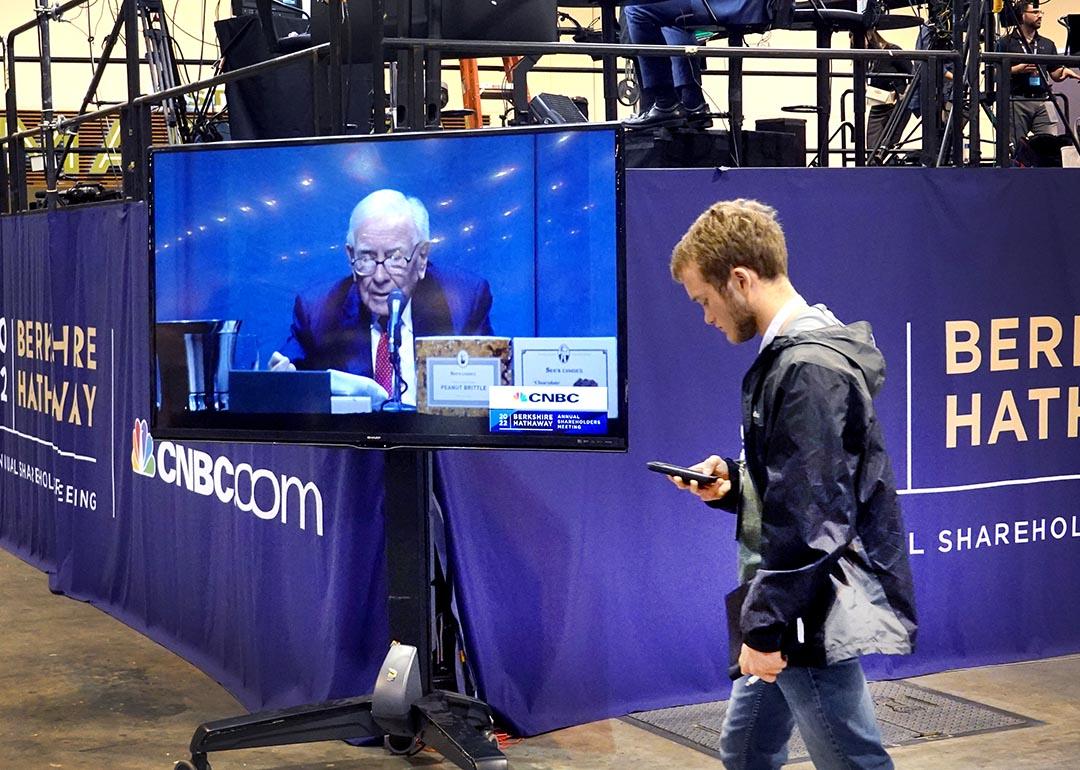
(251,428)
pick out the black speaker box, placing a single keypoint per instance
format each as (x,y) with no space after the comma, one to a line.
(682,148)
(793,126)
(494,20)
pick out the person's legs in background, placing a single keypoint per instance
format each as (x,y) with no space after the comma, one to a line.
(876,118)
(686,74)
(1041,122)
(685,70)
(1043,145)
(1022,113)
(876,121)
(653,24)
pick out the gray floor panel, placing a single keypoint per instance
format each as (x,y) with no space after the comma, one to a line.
(906,713)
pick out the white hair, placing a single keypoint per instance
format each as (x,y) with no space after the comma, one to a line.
(384,203)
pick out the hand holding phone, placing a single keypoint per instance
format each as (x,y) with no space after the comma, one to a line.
(685,474)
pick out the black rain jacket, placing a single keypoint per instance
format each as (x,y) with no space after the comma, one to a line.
(834,580)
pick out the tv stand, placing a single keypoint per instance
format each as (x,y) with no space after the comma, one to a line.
(404,710)
(457,726)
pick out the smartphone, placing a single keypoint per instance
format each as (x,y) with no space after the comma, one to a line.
(685,474)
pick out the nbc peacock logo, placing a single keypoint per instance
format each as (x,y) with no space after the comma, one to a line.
(142,450)
(269,495)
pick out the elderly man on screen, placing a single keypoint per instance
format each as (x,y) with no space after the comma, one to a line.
(344,327)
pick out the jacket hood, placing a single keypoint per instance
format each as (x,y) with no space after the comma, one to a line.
(855,342)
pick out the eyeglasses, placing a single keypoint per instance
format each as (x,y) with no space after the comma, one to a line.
(394,260)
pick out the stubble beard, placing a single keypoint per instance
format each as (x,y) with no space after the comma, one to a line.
(744,322)
(745,329)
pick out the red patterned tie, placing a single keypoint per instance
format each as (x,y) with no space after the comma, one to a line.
(384,372)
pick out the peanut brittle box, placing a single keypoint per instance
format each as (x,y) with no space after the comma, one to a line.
(454,373)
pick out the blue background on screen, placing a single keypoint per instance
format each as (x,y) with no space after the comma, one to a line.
(239,232)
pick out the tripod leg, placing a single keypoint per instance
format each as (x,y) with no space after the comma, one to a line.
(164,72)
(460,728)
(336,720)
(945,145)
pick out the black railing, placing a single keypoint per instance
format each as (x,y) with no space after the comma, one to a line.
(419,107)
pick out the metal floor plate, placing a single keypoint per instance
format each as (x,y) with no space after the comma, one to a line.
(906,713)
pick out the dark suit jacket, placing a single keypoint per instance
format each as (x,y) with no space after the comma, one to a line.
(331,329)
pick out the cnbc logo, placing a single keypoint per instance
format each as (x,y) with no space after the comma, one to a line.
(142,450)
(536,397)
(270,496)
(550,398)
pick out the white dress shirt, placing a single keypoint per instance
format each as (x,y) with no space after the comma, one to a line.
(777,323)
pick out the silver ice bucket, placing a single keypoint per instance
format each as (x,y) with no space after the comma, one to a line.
(194,359)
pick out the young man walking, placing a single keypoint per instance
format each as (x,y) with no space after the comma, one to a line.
(822,556)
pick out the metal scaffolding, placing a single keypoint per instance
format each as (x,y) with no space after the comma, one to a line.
(416,65)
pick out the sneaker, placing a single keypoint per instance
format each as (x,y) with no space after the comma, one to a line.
(657,117)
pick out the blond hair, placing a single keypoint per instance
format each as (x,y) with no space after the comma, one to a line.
(730,234)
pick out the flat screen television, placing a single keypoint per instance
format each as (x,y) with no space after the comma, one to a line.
(449,289)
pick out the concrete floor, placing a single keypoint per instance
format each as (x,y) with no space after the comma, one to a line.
(80,690)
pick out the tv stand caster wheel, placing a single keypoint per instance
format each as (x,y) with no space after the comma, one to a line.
(401,745)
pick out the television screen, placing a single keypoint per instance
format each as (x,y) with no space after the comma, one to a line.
(454,289)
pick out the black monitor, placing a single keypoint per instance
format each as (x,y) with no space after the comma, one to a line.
(287,8)
(506,248)
(402,18)
(487,20)
(495,20)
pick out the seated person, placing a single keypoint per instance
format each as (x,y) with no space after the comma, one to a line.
(654,23)
(344,326)
(1029,91)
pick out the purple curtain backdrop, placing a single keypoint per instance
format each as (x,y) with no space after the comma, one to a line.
(277,613)
(588,587)
(591,588)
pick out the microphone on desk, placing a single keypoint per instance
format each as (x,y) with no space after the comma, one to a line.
(396,303)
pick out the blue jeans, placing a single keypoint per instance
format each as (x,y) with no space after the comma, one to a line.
(832,707)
